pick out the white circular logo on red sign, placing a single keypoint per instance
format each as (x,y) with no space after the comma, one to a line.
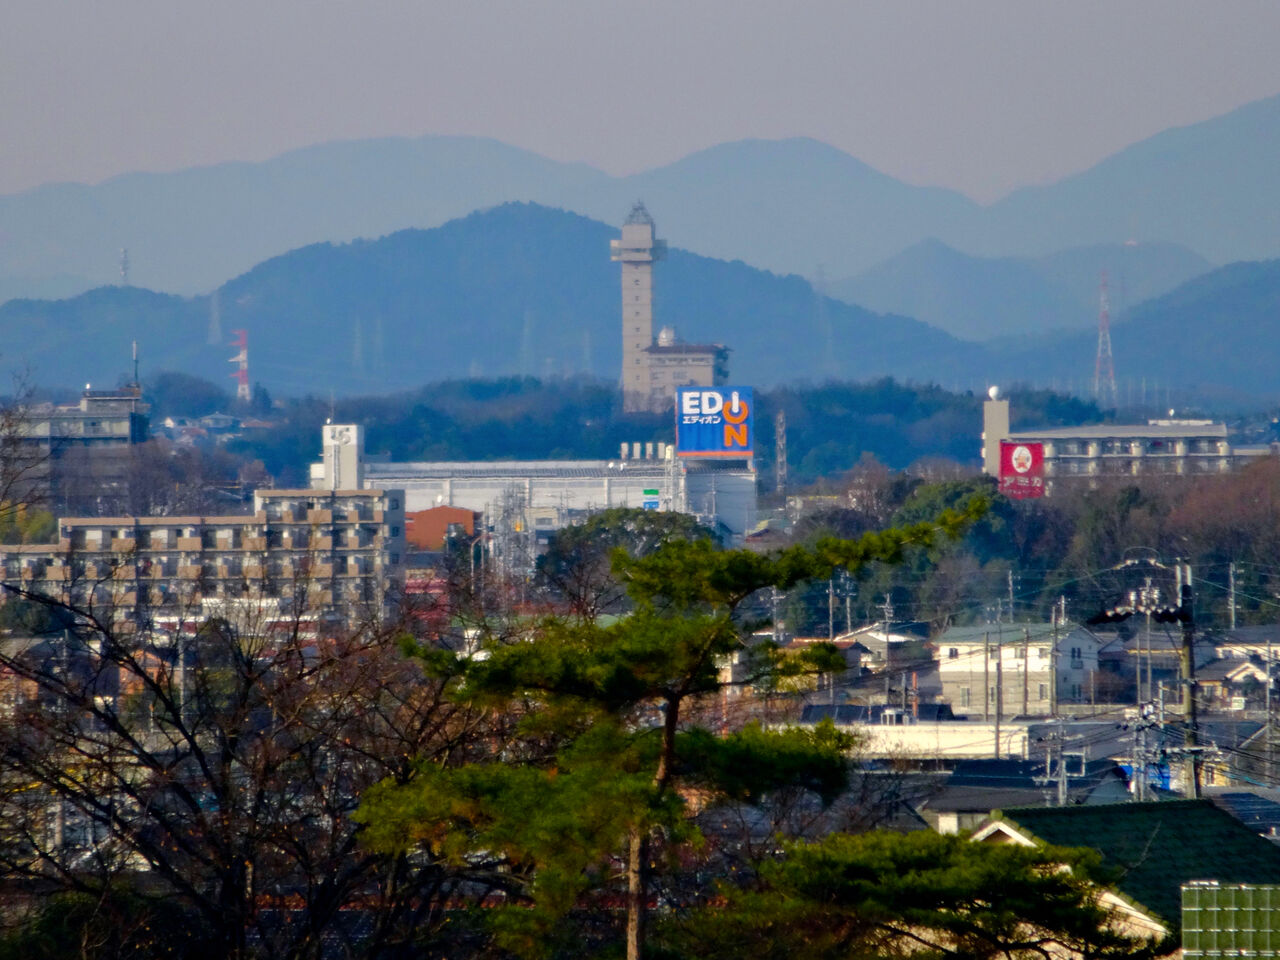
(1021,459)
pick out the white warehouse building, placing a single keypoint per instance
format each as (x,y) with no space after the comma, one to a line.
(548,494)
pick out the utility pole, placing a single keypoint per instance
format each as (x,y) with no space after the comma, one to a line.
(1055,756)
(1187,616)
(831,608)
(780,450)
(999,691)
(1026,670)
(846,583)
(1053,660)
(986,676)
(1150,597)
(1270,741)
(1231,594)
(774,597)
(1140,763)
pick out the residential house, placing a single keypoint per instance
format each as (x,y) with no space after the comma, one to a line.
(976,787)
(1258,640)
(893,645)
(1152,849)
(1236,683)
(1016,669)
(1141,665)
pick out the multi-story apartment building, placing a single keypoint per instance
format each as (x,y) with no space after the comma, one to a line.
(1173,447)
(76,457)
(337,553)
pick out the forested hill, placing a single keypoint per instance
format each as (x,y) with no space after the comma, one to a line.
(517,290)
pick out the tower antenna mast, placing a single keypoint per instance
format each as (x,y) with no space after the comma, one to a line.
(1104,370)
(241,360)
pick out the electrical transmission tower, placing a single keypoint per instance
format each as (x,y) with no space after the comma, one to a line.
(1104,369)
(780,449)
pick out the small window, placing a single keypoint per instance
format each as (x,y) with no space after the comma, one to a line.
(395,503)
(964,696)
(953,653)
(1044,691)
(395,558)
(395,531)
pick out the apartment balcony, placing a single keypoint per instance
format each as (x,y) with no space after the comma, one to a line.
(124,545)
(254,543)
(320,516)
(190,544)
(190,573)
(321,543)
(254,571)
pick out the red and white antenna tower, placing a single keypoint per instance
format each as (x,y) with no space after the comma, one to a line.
(1104,368)
(241,340)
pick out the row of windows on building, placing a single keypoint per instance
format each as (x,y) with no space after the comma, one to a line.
(1075,692)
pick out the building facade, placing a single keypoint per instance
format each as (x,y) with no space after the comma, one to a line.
(77,457)
(311,552)
(522,502)
(1016,669)
(1171,447)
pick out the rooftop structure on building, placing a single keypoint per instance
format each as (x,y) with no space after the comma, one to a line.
(651,370)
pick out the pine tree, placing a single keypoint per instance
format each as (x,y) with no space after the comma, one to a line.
(608,766)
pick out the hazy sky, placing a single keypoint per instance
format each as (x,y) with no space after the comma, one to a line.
(981,96)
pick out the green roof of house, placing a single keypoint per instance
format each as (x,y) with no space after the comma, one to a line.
(1154,848)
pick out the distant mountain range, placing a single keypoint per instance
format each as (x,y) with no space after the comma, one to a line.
(787,206)
(981,298)
(516,290)
(1216,338)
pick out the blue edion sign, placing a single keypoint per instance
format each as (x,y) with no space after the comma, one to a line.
(714,421)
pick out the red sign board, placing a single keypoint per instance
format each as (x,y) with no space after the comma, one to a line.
(1021,469)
